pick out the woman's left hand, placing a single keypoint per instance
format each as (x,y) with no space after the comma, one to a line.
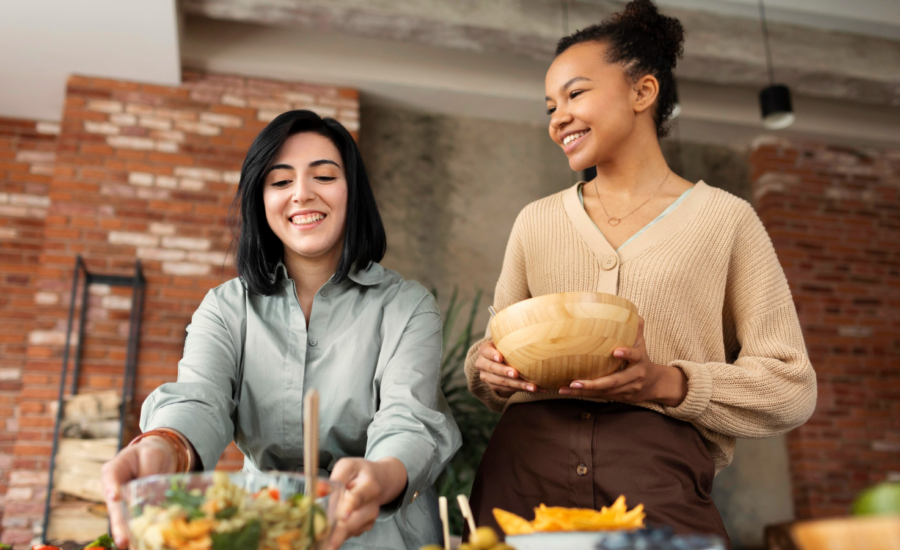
(639,380)
(369,484)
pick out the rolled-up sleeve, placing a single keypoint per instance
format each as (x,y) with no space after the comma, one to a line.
(201,403)
(413,423)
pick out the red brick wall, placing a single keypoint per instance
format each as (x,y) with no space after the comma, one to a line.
(834,217)
(27,156)
(142,172)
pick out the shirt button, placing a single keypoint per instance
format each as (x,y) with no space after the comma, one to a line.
(609,262)
(313,342)
(581,469)
(323,292)
(585,415)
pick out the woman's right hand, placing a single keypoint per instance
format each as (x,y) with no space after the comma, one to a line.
(152,455)
(500,377)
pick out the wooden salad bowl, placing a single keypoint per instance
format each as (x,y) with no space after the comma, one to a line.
(852,533)
(555,339)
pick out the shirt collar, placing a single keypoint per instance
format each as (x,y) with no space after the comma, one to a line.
(368,277)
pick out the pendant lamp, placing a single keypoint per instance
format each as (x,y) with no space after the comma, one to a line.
(775,99)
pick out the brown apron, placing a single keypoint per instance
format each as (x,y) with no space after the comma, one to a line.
(583,454)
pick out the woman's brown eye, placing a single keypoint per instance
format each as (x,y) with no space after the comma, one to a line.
(575,94)
(551,110)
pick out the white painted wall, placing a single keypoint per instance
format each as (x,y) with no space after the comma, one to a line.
(42,42)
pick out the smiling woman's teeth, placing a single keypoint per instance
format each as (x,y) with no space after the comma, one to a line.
(308,219)
(570,138)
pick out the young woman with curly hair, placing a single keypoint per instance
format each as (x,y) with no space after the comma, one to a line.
(719,353)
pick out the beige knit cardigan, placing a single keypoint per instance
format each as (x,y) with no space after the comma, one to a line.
(714,298)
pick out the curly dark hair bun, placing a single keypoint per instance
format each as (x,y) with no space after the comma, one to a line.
(644,41)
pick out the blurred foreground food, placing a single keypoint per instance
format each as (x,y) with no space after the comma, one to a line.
(551,519)
(882,499)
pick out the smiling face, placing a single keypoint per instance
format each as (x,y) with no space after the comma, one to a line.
(305,197)
(594,106)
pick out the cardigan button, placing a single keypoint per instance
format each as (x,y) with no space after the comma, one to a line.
(609,262)
(581,469)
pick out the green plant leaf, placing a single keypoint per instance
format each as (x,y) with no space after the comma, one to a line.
(475,421)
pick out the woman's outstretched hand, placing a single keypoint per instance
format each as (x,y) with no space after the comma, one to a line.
(152,455)
(639,380)
(500,377)
(369,485)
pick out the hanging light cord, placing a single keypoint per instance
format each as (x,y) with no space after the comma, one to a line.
(765,31)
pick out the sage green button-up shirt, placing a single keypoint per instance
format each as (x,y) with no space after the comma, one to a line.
(372,349)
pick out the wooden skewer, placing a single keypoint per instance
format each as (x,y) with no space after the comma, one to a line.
(311,442)
(445,521)
(466,512)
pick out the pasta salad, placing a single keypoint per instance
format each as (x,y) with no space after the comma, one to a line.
(227,517)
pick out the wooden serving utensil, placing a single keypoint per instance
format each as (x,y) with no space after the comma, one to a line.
(311,442)
(445,521)
(466,512)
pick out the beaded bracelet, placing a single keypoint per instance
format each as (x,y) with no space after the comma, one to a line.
(183,452)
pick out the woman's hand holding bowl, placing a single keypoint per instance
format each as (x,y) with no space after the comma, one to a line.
(500,377)
(639,380)
(153,455)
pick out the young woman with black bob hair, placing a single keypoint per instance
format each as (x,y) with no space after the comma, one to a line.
(312,308)
(719,352)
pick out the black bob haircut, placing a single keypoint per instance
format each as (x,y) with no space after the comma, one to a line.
(259,250)
(645,42)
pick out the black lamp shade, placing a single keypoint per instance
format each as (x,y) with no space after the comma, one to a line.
(775,102)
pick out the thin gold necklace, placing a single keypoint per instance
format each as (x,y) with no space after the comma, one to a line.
(613,221)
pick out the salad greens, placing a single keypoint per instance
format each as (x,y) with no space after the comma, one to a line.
(248,537)
(190,501)
(226,513)
(104,541)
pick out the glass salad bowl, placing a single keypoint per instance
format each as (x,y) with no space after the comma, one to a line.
(229,511)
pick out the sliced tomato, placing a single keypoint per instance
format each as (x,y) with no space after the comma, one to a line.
(322,490)
(273,493)
(45,547)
